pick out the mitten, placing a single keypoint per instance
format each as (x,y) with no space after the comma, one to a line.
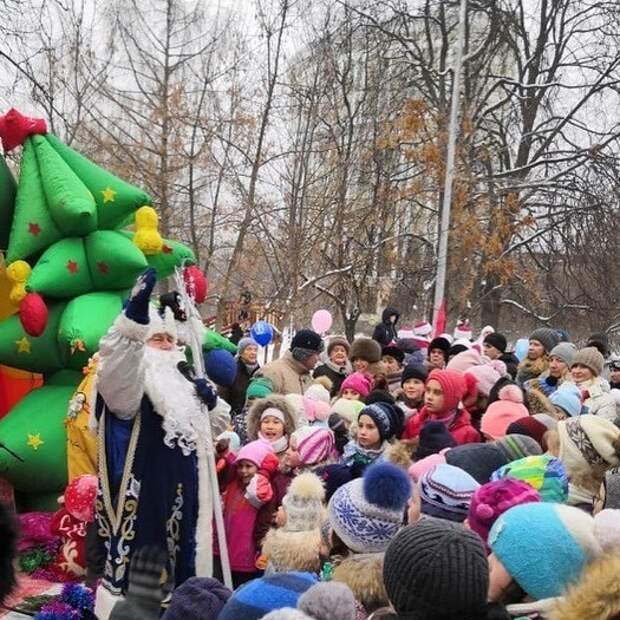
(137,308)
(269,466)
(259,491)
(206,393)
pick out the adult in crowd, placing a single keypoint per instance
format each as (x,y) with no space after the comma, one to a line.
(247,365)
(337,367)
(290,374)
(385,332)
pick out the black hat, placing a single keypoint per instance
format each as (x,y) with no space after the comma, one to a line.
(599,341)
(307,339)
(496,340)
(414,371)
(479,460)
(388,418)
(434,437)
(439,343)
(394,352)
(437,569)
(333,477)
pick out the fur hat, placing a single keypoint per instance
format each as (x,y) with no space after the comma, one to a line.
(303,503)
(328,601)
(479,460)
(544,546)
(277,402)
(434,437)
(493,499)
(600,341)
(515,446)
(363,573)
(453,386)
(436,569)
(365,349)
(307,340)
(367,512)
(358,381)
(394,352)
(497,341)
(591,358)
(388,419)
(336,341)
(568,398)
(500,414)
(607,528)
(564,351)
(446,492)
(546,336)
(414,371)
(544,473)
(198,598)
(443,344)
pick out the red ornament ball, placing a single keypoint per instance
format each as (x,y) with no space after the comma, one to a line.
(33,314)
(196,284)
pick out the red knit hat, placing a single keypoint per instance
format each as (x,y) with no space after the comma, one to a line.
(452,384)
(531,427)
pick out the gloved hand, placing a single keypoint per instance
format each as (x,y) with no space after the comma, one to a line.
(259,491)
(206,393)
(138,307)
(269,467)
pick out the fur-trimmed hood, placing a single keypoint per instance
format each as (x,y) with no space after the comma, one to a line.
(538,402)
(293,551)
(366,349)
(363,573)
(279,402)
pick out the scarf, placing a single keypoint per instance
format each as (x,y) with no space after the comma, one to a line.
(354,454)
(345,370)
(279,445)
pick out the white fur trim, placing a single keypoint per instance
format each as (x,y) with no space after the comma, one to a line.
(161,325)
(204,523)
(104,602)
(130,329)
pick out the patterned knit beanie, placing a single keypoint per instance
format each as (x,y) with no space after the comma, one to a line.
(387,418)
(446,492)
(367,512)
(315,444)
(516,446)
(436,570)
(544,473)
(303,503)
(493,499)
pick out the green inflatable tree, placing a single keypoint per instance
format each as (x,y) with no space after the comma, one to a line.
(71,265)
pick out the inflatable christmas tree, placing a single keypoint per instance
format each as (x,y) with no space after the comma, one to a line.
(68,263)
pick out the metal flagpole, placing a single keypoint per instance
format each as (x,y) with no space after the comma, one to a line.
(444,227)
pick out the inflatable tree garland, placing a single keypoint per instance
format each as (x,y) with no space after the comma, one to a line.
(68,265)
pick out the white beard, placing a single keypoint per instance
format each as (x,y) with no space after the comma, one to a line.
(174,399)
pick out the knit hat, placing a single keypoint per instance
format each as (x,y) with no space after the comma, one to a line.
(436,570)
(198,598)
(465,360)
(463,330)
(365,349)
(528,425)
(599,340)
(303,503)
(333,477)
(419,468)
(315,444)
(546,336)
(434,437)
(259,387)
(286,613)
(544,546)
(564,351)
(328,601)
(256,598)
(307,339)
(550,422)
(452,384)
(588,440)
(443,344)
(500,414)
(255,452)
(422,328)
(607,528)
(479,460)
(515,446)
(387,418)
(367,512)
(347,409)
(394,352)
(244,343)
(496,340)
(568,398)
(335,341)
(318,391)
(612,488)
(234,442)
(544,473)
(379,396)
(446,492)
(315,411)
(590,358)
(487,375)
(493,499)
(221,367)
(359,382)
(414,371)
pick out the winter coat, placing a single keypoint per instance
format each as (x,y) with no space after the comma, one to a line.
(336,374)
(597,399)
(545,383)
(386,332)
(234,394)
(291,421)
(460,428)
(287,375)
(293,551)
(530,369)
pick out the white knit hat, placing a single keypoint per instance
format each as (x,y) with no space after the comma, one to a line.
(588,440)
(303,503)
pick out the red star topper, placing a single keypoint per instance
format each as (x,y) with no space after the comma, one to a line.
(15,128)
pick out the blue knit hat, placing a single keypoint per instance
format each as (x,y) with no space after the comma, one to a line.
(260,596)
(544,546)
(567,398)
(221,367)
(367,512)
(446,492)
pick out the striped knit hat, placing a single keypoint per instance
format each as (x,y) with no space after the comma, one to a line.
(446,492)
(515,446)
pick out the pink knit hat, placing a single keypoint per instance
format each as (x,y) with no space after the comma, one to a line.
(315,444)
(359,382)
(487,374)
(316,410)
(494,498)
(418,469)
(465,360)
(502,413)
(255,452)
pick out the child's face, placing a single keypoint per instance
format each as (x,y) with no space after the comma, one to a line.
(391,364)
(367,433)
(414,389)
(245,471)
(581,373)
(360,365)
(291,456)
(338,355)
(349,394)
(499,579)
(490,351)
(271,428)
(557,367)
(436,358)
(433,396)
(535,350)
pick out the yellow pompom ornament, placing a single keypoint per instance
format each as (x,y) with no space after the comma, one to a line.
(18,272)
(147,237)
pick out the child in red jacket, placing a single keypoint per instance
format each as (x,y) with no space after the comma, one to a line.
(444,391)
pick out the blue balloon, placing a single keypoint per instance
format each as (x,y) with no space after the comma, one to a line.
(521,348)
(262,332)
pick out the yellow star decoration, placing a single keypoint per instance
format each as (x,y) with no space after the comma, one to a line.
(108,194)
(35,441)
(23,345)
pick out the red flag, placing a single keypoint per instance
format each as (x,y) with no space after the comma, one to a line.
(440,320)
